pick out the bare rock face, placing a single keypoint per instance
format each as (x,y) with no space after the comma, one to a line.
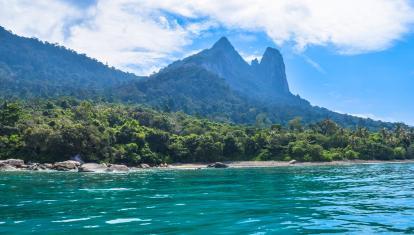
(218,165)
(118,168)
(66,166)
(93,167)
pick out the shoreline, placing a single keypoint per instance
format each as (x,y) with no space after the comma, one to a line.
(73,166)
(272,164)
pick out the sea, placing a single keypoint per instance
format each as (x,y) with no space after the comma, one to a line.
(355,199)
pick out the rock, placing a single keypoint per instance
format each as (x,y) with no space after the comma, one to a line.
(7,167)
(93,167)
(13,162)
(66,166)
(47,166)
(164,165)
(118,168)
(77,164)
(143,165)
(24,166)
(292,161)
(218,165)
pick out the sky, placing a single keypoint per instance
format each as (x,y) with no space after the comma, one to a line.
(354,56)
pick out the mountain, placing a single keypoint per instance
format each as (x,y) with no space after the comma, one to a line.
(264,80)
(216,83)
(31,68)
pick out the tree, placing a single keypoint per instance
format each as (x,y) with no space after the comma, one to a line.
(10,113)
(295,124)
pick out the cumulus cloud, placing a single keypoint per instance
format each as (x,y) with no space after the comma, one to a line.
(352,26)
(138,35)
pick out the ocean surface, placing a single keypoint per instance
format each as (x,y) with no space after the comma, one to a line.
(358,199)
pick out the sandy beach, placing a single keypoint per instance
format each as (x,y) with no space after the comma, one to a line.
(258,164)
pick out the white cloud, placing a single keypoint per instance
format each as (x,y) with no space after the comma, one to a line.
(124,33)
(352,26)
(141,34)
(314,64)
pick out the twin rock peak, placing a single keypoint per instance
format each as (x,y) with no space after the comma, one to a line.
(264,80)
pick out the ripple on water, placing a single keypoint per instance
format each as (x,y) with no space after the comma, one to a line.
(126,220)
(91,226)
(104,189)
(71,220)
(249,220)
(160,196)
(74,220)
(127,209)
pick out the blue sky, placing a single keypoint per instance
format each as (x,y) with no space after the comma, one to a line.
(351,56)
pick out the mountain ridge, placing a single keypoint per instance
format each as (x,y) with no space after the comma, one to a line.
(264,79)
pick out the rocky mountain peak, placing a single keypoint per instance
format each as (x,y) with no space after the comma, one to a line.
(223,44)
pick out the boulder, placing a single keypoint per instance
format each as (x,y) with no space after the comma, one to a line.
(93,167)
(218,165)
(38,167)
(118,168)
(47,166)
(13,162)
(143,165)
(7,167)
(77,164)
(66,166)
(34,167)
(292,161)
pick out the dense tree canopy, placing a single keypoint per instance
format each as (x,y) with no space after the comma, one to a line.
(55,130)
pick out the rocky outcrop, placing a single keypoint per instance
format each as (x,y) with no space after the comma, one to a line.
(144,166)
(66,166)
(93,167)
(117,168)
(6,167)
(218,165)
(13,162)
(163,165)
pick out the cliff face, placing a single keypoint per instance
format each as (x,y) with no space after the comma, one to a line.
(271,71)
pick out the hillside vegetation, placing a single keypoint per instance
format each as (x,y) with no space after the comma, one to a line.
(55,130)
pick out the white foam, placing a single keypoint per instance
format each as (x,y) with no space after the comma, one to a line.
(125,220)
(71,220)
(91,226)
(127,209)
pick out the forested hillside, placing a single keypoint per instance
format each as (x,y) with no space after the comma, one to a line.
(31,68)
(55,130)
(216,83)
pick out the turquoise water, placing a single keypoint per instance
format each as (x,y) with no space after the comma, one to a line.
(296,200)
